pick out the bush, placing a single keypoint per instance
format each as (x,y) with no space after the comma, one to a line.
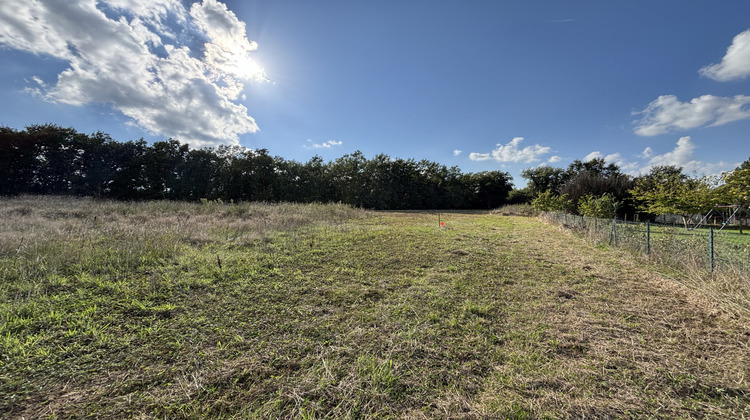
(603,207)
(549,201)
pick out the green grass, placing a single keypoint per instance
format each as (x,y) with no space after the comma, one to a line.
(683,255)
(169,310)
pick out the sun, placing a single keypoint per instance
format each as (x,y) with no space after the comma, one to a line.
(247,68)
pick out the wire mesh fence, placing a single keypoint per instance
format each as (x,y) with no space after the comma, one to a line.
(702,249)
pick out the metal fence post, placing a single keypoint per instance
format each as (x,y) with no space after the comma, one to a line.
(614,226)
(648,238)
(613,233)
(711,249)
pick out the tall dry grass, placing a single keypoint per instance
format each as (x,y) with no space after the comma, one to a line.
(40,236)
(680,255)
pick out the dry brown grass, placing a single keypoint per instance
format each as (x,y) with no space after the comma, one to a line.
(631,336)
(385,316)
(679,255)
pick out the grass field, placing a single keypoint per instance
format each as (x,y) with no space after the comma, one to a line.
(166,310)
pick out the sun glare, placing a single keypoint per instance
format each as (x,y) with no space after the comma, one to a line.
(249,69)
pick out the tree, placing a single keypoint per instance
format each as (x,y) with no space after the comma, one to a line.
(198,175)
(549,201)
(129,180)
(315,184)
(595,177)
(736,188)
(18,162)
(160,169)
(55,156)
(544,178)
(47,159)
(668,191)
(434,184)
(592,177)
(520,196)
(94,166)
(603,207)
(348,179)
(492,188)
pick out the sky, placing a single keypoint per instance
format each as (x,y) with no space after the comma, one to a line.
(482,85)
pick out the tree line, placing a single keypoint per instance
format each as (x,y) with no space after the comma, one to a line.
(597,189)
(48,159)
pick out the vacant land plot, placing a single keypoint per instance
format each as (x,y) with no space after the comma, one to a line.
(163,310)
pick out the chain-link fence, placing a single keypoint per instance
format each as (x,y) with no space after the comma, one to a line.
(703,249)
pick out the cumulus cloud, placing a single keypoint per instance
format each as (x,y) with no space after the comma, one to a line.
(126,53)
(667,114)
(457,152)
(511,152)
(682,156)
(592,156)
(554,159)
(325,145)
(611,158)
(736,62)
(617,159)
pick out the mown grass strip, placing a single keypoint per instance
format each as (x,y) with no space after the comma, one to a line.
(328,312)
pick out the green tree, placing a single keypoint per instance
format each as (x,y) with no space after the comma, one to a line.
(348,178)
(603,207)
(129,161)
(520,196)
(666,191)
(737,186)
(18,161)
(160,169)
(549,201)
(494,187)
(595,177)
(55,156)
(197,175)
(544,178)
(736,189)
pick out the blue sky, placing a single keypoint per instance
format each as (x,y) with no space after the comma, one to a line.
(484,85)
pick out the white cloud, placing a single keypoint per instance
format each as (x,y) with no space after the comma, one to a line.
(512,153)
(682,156)
(592,156)
(457,152)
(151,10)
(554,159)
(131,59)
(736,62)
(325,145)
(667,113)
(617,159)
(228,52)
(479,156)
(611,158)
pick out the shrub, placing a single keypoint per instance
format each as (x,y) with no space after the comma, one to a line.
(549,201)
(603,207)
